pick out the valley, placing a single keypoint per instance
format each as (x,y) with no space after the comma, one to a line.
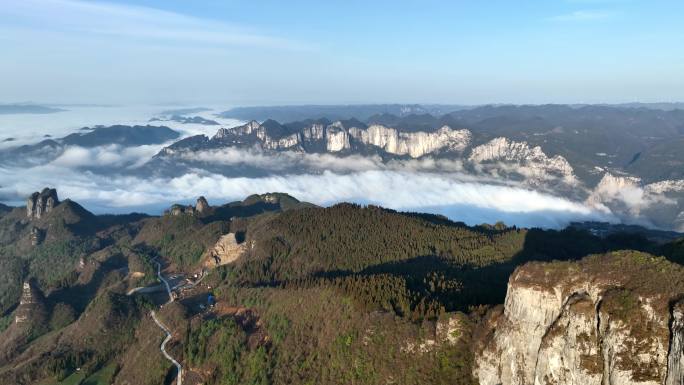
(273,290)
(612,163)
(341,192)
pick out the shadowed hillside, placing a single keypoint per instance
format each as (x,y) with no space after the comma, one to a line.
(343,294)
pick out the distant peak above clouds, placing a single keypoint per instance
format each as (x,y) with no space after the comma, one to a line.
(6,109)
(574,155)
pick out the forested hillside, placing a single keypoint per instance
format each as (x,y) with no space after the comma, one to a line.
(344,294)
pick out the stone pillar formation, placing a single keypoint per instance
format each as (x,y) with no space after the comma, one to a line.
(41,203)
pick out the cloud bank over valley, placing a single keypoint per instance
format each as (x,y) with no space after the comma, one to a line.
(495,180)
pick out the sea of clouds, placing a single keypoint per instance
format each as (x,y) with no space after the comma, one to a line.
(427,185)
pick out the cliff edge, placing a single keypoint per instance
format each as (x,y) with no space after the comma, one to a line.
(613,319)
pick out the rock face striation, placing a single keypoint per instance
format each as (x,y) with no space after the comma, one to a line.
(615,319)
(521,153)
(334,137)
(41,203)
(31,307)
(675,362)
(346,146)
(414,144)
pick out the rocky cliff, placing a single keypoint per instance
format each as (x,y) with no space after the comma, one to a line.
(532,158)
(414,144)
(614,319)
(201,207)
(30,319)
(340,136)
(31,306)
(660,202)
(41,203)
(271,148)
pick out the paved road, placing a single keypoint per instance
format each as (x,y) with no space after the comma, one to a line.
(161,278)
(179,380)
(163,347)
(146,289)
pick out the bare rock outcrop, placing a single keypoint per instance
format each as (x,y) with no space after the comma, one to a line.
(226,250)
(41,203)
(448,330)
(341,136)
(31,305)
(202,206)
(527,160)
(37,236)
(613,319)
(675,360)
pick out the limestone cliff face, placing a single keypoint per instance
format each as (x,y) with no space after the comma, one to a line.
(338,136)
(313,132)
(675,360)
(521,154)
(608,320)
(202,206)
(612,187)
(246,129)
(414,144)
(41,203)
(630,196)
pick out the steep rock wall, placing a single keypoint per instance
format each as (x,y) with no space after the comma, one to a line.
(41,203)
(536,162)
(600,321)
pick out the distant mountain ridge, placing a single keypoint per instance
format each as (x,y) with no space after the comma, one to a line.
(617,159)
(592,139)
(27,109)
(335,137)
(121,135)
(334,112)
(581,152)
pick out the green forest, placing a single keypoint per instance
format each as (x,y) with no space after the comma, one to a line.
(344,294)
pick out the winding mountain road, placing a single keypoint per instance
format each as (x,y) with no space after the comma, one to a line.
(163,347)
(179,380)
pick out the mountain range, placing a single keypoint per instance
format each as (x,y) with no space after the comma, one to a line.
(27,109)
(600,154)
(272,290)
(621,160)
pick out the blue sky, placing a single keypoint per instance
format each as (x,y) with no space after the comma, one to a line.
(292,52)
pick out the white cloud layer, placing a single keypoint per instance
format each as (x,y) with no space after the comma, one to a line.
(114,156)
(459,198)
(289,160)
